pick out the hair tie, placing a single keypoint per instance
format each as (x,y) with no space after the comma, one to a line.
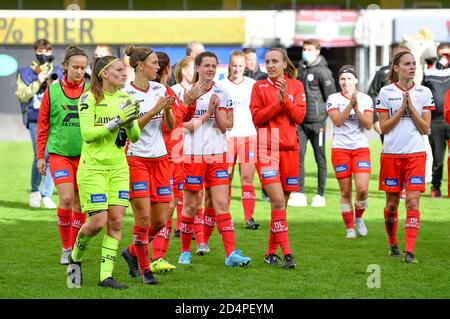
(103,69)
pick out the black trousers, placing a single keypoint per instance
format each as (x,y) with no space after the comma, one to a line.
(314,132)
(440,134)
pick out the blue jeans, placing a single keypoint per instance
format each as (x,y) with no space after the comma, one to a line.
(36,178)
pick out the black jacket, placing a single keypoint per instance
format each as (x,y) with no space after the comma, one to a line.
(438,81)
(256,74)
(378,81)
(319,84)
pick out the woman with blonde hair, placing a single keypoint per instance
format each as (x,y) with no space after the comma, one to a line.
(103,175)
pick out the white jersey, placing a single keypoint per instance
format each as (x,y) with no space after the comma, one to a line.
(240,95)
(178,89)
(151,143)
(208,139)
(404,138)
(351,135)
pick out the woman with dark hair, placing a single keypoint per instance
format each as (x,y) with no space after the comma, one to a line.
(174,144)
(148,159)
(59,130)
(404,113)
(205,148)
(103,175)
(351,113)
(278,106)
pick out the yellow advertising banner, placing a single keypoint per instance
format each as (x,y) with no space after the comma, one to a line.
(87,31)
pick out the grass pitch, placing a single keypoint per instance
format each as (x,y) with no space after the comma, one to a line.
(329,266)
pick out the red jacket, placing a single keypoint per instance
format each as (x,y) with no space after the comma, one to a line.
(174,138)
(447,107)
(270,116)
(72,90)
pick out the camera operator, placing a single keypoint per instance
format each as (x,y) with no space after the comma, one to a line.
(32,81)
(437,79)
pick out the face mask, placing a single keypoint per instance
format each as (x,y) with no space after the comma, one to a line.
(42,58)
(443,61)
(308,56)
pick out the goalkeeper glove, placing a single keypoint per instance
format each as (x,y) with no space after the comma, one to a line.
(125,115)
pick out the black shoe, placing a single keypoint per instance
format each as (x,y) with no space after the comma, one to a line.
(110,282)
(74,274)
(393,251)
(148,278)
(289,262)
(177,233)
(272,259)
(410,258)
(435,193)
(133,267)
(251,224)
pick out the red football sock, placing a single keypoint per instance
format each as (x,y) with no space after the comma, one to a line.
(391,224)
(280,229)
(78,219)
(199,220)
(140,240)
(152,234)
(210,223)
(248,200)
(273,245)
(64,225)
(167,238)
(179,211)
(158,243)
(411,229)
(349,219)
(359,211)
(186,224)
(226,229)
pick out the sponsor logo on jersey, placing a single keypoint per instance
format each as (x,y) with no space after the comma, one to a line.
(83,106)
(61,173)
(391,181)
(292,181)
(171,181)
(98,198)
(180,186)
(395,99)
(104,120)
(139,186)
(341,168)
(199,113)
(222,174)
(194,180)
(163,191)
(123,195)
(416,180)
(268,173)
(363,164)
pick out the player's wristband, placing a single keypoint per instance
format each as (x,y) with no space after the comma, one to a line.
(114,123)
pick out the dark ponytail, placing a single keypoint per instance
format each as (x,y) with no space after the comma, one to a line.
(163,61)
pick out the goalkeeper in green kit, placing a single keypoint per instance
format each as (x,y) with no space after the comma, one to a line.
(103,176)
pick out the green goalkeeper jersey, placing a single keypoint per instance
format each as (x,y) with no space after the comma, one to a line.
(99,150)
